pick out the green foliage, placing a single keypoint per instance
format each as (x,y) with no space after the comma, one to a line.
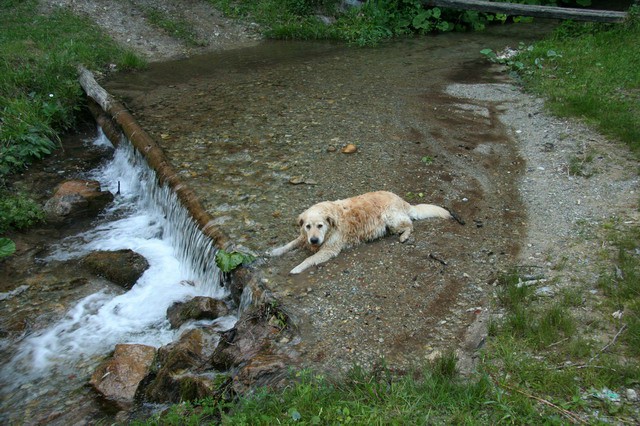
(622,286)
(227,262)
(362,397)
(367,25)
(18,212)
(538,326)
(39,92)
(7,247)
(539,349)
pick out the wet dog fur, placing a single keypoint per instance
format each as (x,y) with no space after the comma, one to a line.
(328,227)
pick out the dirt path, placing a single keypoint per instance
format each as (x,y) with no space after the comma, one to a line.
(129,24)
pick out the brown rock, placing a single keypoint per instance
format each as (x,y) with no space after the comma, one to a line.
(118,378)
(122,267)
(181,363)
(75,199)
(349,149)
(265,369)
(198,308)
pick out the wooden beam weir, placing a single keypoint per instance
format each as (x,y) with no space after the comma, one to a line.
(109,113)
(552,12)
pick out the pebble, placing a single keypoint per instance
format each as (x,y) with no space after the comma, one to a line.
(349,149)
(631,395)
(545,291)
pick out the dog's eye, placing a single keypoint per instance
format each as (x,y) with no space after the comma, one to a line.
(308,226)
(320,226)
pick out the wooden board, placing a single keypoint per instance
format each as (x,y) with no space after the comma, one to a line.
(531,10)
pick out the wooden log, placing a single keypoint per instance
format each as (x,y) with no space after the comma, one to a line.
(531,10)
(152,152)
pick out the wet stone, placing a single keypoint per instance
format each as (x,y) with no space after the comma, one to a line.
(184,369)
(122,267)
(198,308)
(118,378)
(75,199)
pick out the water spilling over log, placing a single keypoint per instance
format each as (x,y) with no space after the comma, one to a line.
(152,153)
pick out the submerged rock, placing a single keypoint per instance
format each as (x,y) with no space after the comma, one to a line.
(122,267)
(76,199)
(118,378)
(198,308)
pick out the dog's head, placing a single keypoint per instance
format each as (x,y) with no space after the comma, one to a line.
(315,224)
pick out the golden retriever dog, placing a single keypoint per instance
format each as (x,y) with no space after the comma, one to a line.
(328,227)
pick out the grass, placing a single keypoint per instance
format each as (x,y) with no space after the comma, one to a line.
(40,96)
(39,92)
(177,27)
(591,71)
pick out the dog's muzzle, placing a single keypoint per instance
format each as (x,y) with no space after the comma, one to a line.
(314,240)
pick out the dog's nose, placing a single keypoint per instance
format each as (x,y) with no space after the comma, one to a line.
(314,240)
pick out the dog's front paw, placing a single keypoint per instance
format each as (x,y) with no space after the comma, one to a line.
(297,270)
(275,252)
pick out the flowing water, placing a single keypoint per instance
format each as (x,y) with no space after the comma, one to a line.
(148,219)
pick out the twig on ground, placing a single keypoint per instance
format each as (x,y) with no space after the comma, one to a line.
(568,414)
(604,348)
(624,326)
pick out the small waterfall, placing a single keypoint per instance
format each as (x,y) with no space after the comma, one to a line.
(148,219)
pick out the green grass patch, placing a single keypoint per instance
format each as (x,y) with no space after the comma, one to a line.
(621,285)
(175,26)
(542,347)
(39,93)
(434,395)
(591,71)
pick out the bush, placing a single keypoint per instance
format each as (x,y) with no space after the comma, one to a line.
(18,212)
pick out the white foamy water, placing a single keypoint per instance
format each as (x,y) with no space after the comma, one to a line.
(149,220)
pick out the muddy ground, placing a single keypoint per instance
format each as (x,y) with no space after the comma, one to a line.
(490,153)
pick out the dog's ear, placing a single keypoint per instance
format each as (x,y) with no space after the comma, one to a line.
(300,221)
(331,221)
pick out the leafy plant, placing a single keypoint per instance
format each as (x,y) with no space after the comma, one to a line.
(7,247)
(366,25)
(427,159)
(18,212)
(227,262)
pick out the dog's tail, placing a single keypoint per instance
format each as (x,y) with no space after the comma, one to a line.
(425,211)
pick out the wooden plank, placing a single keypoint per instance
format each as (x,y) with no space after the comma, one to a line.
(531,10)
